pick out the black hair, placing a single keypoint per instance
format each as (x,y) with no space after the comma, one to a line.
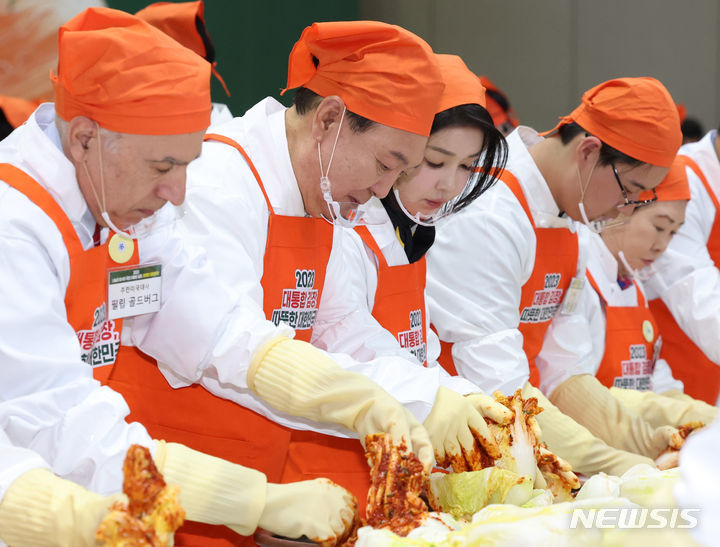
(5,127)
(608,154)
(306,100)
(692,129)
(205,37)
(494,151)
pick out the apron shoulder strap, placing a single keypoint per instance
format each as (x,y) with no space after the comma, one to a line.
(369,240)
(692,164)
(35,192)
(230,142)
(513,183)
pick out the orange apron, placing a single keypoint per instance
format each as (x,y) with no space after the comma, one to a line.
(86,292)
(556,256)
(400,299)
(296,256)
(632,344)
(700,375)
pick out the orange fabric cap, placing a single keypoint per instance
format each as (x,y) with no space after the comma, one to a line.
(674,186)
(636,116)
(179,21)
(185,23)
(501,114)
(17,110)
(462,86)
(382,72)
(129,76)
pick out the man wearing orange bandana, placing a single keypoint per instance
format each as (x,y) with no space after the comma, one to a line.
(263,200)
(614,339)
(499,273)
(111,155)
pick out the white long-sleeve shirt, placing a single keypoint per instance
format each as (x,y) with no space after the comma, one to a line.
(227,215)
(481,258)
(49,402)
(362,271)
(575,343)
(686,277)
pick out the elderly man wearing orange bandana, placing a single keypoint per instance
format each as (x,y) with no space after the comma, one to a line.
(111,155)
(499,273)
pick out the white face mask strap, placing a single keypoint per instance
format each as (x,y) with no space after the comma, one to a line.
(324,179)
(630,270)
(104,214)
(595,226)
(324,175)
(416,217)
(642,275)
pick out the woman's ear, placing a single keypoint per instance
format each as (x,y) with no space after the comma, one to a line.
(81,131)
(327,115)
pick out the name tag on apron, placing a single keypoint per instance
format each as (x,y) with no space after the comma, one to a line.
(572,294)
(134,291)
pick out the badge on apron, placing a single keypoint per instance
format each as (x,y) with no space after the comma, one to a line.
(572,294)
(121,248)
(648,331)
(134,291)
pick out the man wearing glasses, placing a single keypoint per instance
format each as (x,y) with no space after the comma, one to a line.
(500,272)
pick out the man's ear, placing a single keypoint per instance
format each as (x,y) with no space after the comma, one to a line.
(80,134)
(326,117)
(588,149)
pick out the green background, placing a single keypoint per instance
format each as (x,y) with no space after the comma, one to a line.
(253,39)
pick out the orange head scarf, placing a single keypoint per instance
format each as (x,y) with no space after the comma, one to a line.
(129,77)
(462,86)
(674,186)
(498,105)
(184,22)
(636,116)
(382,72)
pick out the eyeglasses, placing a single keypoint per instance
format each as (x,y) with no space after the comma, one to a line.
(638,202)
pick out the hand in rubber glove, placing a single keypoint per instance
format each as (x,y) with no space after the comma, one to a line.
(318,509)
(458,431)
(299,379)
(669,408)
(588,402)
(581,449)
(40,508)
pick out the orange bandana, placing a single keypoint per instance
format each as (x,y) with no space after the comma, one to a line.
(674,186)
(462,86)
(129,77)
(184,22)
(636,116)
(498,104)
(382,72)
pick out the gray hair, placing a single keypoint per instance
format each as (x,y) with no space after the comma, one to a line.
(108,138)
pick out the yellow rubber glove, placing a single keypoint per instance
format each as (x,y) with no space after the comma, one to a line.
(589,403)
(575,444)
(319,509)
(301,380)
(456,424)
(41,509)
(674,408)
(213,490)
